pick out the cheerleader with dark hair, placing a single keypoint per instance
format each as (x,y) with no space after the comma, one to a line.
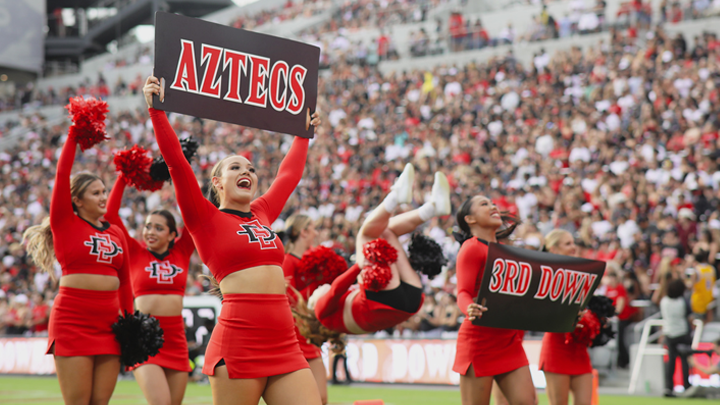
(94,286)
(301,233)
(486,354)
(390,290)
(158,272)
(253,351)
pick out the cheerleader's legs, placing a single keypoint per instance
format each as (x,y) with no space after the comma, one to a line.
(516,385)
(559,387)
(87,379)
(296,388)
(320,373)
(161,386)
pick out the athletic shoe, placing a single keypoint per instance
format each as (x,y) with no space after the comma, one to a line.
(404,184)
(441,195)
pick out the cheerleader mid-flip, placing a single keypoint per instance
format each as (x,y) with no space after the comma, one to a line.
(253,351)
(158,273)
(94,286)
(373,306)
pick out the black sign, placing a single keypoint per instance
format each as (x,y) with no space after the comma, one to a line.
(232,75)
(529,290)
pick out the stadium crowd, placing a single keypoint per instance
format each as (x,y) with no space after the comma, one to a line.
(618,145)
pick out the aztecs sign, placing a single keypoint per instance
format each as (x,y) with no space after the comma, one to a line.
(529,290)
(232,75)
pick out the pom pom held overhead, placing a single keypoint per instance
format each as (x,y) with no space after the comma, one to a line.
(88,116)
(159,170)
(319,265)
(134,164)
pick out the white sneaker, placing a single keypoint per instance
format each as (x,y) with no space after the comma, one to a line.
(441,195)
(404,184)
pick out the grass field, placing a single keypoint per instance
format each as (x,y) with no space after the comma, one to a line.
(45,391)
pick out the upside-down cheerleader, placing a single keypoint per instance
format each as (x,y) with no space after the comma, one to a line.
(158,274)
(253,351)
(485,354)
(390,290)
(95,284)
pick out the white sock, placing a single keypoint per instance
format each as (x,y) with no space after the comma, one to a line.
(426,211)
(390,202)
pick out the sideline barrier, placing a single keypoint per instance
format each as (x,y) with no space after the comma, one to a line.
(25,355)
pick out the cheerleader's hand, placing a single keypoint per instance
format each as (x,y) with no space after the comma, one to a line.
(475,311)
(152,86)
(313,119)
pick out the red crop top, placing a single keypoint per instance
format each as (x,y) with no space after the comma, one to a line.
(290,265)
(228,240)
(80,247)
(152,273)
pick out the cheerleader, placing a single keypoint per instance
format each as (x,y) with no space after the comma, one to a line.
(94,286)
(359,311)
(253,351)
(158,274)
(485,354)
(566,365)
(301,233)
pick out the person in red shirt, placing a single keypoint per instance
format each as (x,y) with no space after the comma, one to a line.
(253,351)
(158,273)
(301,234)
(485,354)
(342,308)
(566,363)
(40,314)
(617,293)
(94,287)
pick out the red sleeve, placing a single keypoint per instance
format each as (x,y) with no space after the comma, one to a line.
(113,207)
(195,209)
(289,267)
(125,290)
(61,210)
(288,176)
(329,303)
(469,262)
(185,242)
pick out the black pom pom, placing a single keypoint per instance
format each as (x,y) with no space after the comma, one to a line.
(426,255)
(602,306)
(605,335)
(159,170)
(140,336)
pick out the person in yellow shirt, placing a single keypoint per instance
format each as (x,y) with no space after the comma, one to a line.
(702,280)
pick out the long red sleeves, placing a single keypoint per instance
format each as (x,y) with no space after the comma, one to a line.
(470,268)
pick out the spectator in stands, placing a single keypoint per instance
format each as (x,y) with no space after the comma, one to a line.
(676,329)
(702,282)
(616,292)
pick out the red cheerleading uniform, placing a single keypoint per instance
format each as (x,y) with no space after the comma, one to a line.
(81,320)
(491,351)
(291,262)
(153,273)
(255,335)
(369,315)
(558,357)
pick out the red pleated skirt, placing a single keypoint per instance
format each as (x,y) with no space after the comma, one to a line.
(558,357)
(174,352)
(491,351)
(81,323)
(310,351)
(255,335)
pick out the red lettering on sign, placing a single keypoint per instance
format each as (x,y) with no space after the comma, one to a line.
(510,275)
(545,283)
(558,284)
(523,283)
(259,67)
(572,283)
(297,91)
(237,63)
(211,59)
(186,73)
(498,270)
(585,290)
(278,75)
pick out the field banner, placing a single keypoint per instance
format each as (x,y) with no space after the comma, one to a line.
(232,75)
(422,361)
(25,355)
(530,290)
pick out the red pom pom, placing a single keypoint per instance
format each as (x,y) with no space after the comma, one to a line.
(588,327)
(376,277)
(381,252)
(88,117)
(319,265)
(134,164)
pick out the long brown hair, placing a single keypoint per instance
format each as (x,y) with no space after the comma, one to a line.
(510,222)
(311,328)
(39,239)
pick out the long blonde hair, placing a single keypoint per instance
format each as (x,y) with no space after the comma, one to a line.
(311,328)
(39,238)
(293,227)
(553,238)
